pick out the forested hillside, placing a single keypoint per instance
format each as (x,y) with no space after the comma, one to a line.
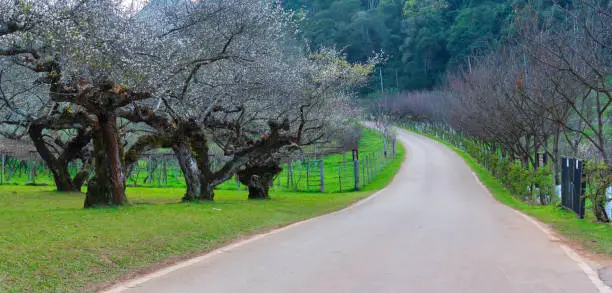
(421,39)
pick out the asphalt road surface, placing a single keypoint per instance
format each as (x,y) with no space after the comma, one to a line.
(434,229)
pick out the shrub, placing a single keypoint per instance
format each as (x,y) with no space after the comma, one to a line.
(599,178)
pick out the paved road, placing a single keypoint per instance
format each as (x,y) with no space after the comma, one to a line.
(434,229)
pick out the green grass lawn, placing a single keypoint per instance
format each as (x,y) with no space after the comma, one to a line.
(339,169)
(48,243)
(595,237)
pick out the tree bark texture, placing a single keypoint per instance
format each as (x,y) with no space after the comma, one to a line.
(58,165)
(259,177)
(107,187)
(190,170)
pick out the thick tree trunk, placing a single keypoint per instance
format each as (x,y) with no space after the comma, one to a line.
(190,170)
(80,178)
(59,166)
(62,179)
(207,193)
(64,182)
(259,177)
(199,148)
(191,150)
(108,185)
(259,187)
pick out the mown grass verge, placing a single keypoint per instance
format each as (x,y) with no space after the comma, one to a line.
(48,243)
(593,236)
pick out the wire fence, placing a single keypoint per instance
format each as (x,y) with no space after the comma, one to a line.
(308,173)
(351,172)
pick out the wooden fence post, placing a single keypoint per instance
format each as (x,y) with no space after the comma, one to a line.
(289,174)
(3,164)
(370,167)
(165,166)
(299,167)
(340,176)
(307,174)
(385,145)
(366,170)
(322,175)
(30,169)
(356,173)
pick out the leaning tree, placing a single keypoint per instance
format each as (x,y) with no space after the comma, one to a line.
(27,109)
(92,61)
(319,109)
(223,62)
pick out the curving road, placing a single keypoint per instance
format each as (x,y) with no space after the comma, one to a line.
(434,229)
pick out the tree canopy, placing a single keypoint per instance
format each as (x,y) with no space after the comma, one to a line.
(421,39)
(96,82)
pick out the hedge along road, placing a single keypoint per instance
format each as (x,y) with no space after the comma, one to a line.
(433,229)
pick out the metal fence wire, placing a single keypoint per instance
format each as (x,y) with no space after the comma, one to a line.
(323,175)
(308,173)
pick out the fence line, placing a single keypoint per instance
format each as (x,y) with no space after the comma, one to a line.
(570,192)
(310,173)
(325,175)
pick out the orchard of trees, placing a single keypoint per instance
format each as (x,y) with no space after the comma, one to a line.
(97,82)
(101,83)
(546,90)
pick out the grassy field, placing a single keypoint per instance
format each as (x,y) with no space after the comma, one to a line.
(48,243)
(339,169)
(595,237)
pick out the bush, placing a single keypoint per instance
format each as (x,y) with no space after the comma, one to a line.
(519,180)
(542,179)
(598,178)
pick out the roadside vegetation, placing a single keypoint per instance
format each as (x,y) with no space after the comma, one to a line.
(48,243)
(535,110)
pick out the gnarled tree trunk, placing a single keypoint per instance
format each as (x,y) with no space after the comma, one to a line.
(199,147)
(107,187)
(190,170)
(207,193)
(59,165)
(259,177)
(191,148)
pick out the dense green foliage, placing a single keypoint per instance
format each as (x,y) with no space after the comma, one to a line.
(421,39)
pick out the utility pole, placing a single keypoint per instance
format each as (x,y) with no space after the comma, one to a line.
(382,90)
